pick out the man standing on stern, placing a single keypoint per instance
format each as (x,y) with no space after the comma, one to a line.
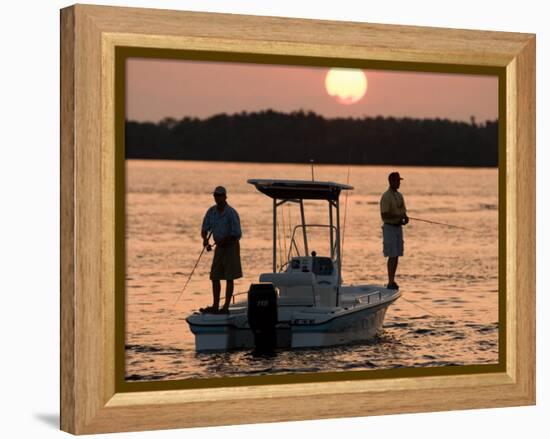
(394,216)
(224,222)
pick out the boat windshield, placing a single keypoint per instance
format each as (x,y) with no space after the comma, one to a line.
(319,240)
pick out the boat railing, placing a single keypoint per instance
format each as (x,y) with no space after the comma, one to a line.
(367,297)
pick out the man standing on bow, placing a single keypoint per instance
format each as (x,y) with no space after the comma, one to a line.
(224,222)
(394,216)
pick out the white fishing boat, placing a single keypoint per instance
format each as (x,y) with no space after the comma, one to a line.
(303,303)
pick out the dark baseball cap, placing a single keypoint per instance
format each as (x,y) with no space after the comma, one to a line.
(220,190)
(394,176)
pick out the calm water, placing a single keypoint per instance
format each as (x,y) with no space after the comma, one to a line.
(448,314)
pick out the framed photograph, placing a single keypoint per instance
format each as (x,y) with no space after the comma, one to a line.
(303,219)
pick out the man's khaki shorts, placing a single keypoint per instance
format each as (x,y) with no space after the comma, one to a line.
(226,264)
(393,240)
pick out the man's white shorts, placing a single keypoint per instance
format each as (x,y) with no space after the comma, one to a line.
(393,240)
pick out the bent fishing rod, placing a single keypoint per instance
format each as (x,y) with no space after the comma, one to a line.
(441,224)
(208,247)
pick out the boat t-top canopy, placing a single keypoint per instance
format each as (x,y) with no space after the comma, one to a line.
(284,191)
(299,189)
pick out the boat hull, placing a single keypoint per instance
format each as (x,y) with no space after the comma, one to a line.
(233,332)
(358,326)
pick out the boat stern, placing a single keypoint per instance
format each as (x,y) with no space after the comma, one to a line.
(219,332)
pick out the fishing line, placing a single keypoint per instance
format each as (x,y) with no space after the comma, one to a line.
(289,230)
(424,309)
(284,228)
(441,224)
(345,210)
(279,242)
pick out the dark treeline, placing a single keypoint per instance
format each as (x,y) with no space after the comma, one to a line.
(297,137)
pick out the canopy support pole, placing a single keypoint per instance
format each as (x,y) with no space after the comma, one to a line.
(330,229)
(274,235)
(304,226)
(338,251)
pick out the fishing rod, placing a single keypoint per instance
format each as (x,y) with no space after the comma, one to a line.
(345,210)
(441,224)
(208,247)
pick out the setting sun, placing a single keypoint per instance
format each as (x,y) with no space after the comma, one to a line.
(347,86)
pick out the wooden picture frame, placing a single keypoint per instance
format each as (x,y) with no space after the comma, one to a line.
(91,399)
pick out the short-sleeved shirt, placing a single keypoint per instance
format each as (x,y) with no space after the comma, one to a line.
(222,224)
(392,202)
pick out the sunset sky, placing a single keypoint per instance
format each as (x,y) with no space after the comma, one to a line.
(172,88)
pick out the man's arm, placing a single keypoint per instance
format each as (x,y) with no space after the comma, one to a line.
(205,228)
(405,217)
(236,226)
(234,229)
(386,216)
(204,238)
(385,208)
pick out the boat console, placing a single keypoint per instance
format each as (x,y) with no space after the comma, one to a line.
(309,280)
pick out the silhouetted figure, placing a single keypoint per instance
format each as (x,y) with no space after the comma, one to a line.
(394,216)
(224,222)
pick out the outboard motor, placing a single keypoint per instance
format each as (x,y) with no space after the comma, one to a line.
(262,316)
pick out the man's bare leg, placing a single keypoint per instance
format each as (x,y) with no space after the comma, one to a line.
(229,286)
(216,290)
(392,268)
